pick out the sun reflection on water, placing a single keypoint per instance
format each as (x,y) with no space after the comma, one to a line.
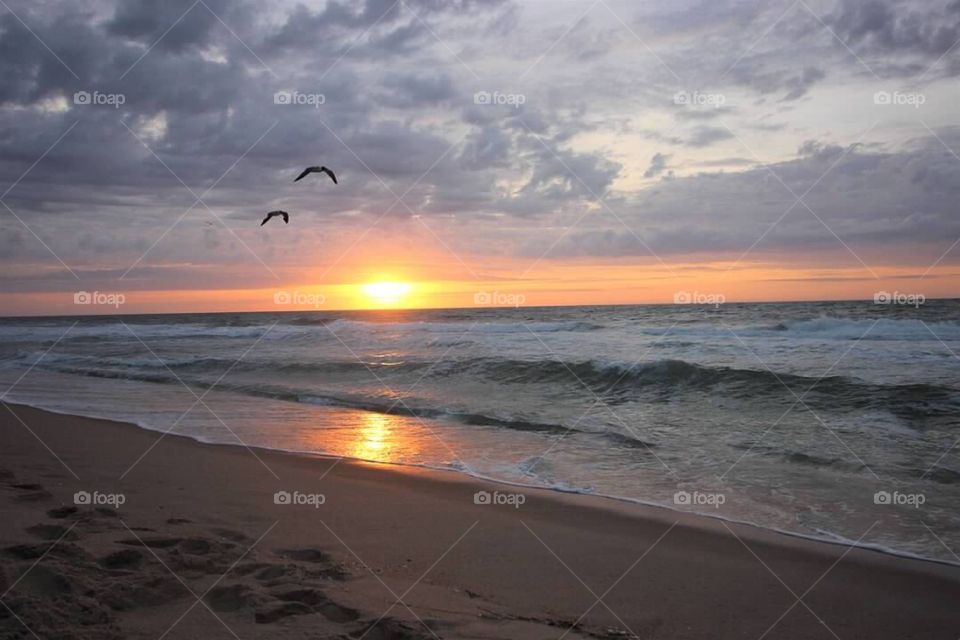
(381,437)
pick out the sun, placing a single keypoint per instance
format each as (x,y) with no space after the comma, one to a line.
(387,294)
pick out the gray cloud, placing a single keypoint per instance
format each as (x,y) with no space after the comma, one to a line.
(658,164)
(870,199)
(928,28)
(705,136)
(398,84)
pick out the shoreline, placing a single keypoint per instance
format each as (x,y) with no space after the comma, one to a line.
(446,474)
(387,538)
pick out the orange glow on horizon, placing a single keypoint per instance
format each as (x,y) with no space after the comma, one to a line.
(386,293)
(428,285)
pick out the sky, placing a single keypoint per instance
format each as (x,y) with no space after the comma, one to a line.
(488,152)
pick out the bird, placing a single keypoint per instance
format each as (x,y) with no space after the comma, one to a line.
(310,170)
(274,214)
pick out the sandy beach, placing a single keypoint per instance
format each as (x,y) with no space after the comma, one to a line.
(182,539)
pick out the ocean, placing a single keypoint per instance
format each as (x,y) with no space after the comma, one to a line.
(833,420)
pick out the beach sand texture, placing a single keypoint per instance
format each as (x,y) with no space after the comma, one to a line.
(200,548)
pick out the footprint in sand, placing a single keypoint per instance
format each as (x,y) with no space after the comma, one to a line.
(273,613)
(320,603)
(331,570)
(304,555)
(229,534)
(61,512)
(233,597)
(291,603)
(195,546)
(28,486)
(52,532)
(45,582)
(129,595)
(35,551)
(390,629)
(125,559)
(266,572)
(151,542)
(31,492)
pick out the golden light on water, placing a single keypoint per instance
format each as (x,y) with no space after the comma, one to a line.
(379,438)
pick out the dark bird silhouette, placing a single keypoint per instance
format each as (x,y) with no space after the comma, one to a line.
(274,214)
(310,170)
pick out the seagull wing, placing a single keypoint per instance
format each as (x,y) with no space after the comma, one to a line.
(274,214)
(329,173)
(305,173)
(286,217)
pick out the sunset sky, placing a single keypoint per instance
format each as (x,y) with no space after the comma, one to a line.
(527,152)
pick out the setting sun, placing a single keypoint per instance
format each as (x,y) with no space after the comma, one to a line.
(387,293)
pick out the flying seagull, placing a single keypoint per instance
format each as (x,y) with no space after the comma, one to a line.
(274,214)
(310,170)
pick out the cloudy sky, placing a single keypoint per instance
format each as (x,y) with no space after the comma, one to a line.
(573,151)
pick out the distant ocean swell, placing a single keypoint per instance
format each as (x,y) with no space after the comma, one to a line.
(823,327)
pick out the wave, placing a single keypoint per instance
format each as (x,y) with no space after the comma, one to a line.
(282,329)
(608,377)
(875,329)
(600,377)
(409,407)
(464,327)
(612,381)
(73,363)
(824,327)
(130,331)
(462,331)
